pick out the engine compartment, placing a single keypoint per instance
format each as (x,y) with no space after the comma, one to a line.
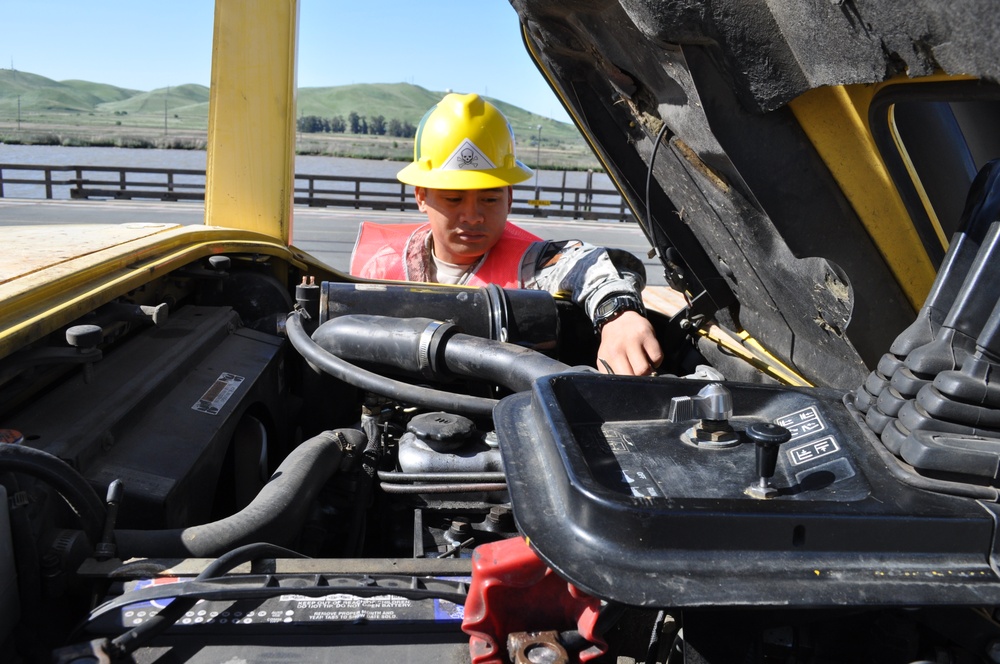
(337,470)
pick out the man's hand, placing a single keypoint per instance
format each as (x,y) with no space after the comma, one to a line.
(629,346)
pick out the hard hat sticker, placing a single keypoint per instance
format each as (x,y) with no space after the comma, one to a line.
(467,156)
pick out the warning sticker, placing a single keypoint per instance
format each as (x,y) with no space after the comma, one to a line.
(218,394)
(467,155)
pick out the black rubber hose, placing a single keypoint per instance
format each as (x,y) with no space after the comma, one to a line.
(62,477)
(366,480)
(514,367)
(372,382)
(412,344)
(275,515)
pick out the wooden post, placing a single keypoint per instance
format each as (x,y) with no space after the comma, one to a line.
(48,183)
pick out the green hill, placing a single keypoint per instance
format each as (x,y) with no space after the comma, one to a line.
(408,103)
(100,92)
(40,94)
(182,96)
(80,106)
(402,101)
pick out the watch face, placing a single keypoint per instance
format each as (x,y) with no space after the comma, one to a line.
(613,307)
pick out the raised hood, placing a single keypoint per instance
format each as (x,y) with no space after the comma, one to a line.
(772,197)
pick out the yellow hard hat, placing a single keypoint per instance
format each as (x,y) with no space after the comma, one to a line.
(464,142)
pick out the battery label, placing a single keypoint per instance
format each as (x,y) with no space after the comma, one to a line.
(287,608)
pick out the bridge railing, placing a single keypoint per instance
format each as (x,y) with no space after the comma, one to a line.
(372,193)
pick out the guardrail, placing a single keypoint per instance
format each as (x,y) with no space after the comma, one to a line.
(179,184)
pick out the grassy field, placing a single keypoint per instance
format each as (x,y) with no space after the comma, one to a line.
(37,110)
(80,134)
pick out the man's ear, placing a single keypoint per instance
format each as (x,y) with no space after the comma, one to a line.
(420,194)
(510,198)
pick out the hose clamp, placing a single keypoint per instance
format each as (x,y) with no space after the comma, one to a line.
(428,347)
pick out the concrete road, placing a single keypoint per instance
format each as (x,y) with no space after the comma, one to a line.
(326,233)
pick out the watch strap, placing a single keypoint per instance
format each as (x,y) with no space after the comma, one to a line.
(612,307)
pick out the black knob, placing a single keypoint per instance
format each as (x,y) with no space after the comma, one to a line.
(84,336)
(219,263)
(767,437)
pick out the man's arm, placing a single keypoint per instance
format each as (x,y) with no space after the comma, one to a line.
(588,275)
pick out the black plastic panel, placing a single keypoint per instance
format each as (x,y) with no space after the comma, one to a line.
(601,480)
(164,430)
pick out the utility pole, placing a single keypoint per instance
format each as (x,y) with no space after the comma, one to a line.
(165,97)
(538,159)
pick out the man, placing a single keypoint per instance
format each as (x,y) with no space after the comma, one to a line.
(463,170)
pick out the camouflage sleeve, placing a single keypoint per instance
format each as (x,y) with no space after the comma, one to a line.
(583,272)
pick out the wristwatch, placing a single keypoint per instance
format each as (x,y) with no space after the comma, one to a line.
(613,307)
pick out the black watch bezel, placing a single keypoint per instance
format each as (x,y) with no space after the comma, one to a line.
(613,307)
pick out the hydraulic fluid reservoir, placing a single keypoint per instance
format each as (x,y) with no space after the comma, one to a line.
(443,442)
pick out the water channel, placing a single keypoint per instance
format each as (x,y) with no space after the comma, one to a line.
(57,155)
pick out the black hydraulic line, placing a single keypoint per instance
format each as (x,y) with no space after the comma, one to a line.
(329,363)
(366,480)
(275,514)
(481,487)
(62,477)
(403,477)
(971,308)
(982,207)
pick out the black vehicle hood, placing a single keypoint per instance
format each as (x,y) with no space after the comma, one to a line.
(742,209)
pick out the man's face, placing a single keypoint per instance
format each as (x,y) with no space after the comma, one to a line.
(465,223)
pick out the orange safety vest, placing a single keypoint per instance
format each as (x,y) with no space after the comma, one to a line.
(380,250)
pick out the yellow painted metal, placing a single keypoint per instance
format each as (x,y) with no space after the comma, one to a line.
(251,126)
(670,302)
(836,122)
(918,186)
(40,301)
(772,366)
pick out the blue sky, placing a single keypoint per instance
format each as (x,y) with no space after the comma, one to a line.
(462,45)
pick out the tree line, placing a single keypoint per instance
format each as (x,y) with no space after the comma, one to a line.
(356,124)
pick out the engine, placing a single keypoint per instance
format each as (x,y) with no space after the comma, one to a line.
(216,467)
